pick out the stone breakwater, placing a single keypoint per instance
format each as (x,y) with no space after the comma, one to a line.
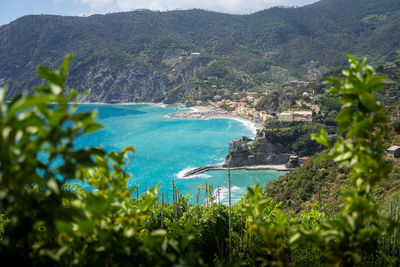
(200,170)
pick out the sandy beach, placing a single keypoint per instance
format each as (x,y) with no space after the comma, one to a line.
(209,112)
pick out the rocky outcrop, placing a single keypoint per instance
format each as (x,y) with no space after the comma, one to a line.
(260,152)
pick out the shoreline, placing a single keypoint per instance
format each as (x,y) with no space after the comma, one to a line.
(209,112)
(197,112)
(125,103)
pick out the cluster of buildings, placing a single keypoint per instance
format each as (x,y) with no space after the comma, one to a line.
(243,108)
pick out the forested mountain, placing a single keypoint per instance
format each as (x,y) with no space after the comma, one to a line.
(144,55)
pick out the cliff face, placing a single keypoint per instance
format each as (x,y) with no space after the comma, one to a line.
(132,83)
(260,152)
(181,77)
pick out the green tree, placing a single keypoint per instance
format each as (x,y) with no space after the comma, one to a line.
(37,158)
(46,219)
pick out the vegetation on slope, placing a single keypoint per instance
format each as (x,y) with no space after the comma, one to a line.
(294,137)
(322,181)
(251,51)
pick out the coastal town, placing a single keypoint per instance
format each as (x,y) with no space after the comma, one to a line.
(267,155)
(244,109)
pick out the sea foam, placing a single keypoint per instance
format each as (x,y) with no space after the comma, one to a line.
(224,193)
(182,173)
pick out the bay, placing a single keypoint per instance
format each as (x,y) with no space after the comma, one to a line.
(166,147)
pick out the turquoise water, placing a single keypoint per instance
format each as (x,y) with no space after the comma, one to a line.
(165,147)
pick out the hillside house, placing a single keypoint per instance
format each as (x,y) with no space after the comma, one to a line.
(251,95)
(217,97)
(303,160)
(302,115)
(295,116)
(393,152)
(298,83)
(293,161)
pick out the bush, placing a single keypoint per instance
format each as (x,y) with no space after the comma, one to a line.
(46,219)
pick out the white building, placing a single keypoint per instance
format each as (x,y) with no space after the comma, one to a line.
(393,152)
(295,116)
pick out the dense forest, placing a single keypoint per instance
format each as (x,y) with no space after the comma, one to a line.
(144,55)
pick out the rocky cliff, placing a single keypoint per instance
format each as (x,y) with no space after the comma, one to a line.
(260,152)
(132,83)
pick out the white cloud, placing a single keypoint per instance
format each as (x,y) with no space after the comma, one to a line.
(230,6)
(97,5)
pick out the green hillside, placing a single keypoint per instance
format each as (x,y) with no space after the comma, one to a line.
(323,181)
(137,55)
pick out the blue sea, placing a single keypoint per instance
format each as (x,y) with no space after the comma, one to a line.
(167,147)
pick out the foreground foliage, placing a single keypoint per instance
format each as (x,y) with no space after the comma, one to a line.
(46,218)
(346,238)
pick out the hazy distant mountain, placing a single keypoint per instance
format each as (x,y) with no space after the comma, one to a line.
(135,56)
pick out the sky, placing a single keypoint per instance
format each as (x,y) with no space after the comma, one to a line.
(13,9)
